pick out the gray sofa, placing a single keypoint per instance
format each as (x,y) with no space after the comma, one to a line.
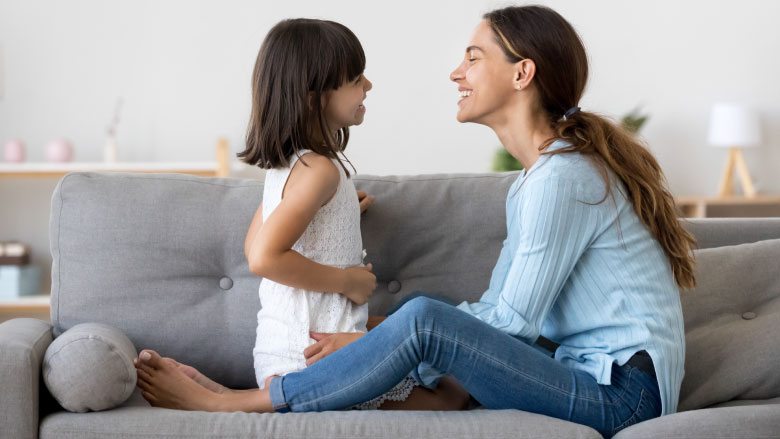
(160,256)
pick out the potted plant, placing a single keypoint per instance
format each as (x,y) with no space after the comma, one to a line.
(503,161)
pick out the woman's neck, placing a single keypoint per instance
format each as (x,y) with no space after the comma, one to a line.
(522,131)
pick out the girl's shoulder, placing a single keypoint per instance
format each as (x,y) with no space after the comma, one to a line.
(314,169)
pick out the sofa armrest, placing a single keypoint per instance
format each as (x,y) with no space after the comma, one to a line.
(23,343)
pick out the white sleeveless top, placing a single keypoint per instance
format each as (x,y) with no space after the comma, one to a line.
(288,314)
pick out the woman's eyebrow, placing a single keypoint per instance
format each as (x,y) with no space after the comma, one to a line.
(470,48)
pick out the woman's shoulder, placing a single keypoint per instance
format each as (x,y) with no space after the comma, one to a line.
(581,173)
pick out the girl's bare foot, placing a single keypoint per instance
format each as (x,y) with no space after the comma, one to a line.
(165,385)
(198,377)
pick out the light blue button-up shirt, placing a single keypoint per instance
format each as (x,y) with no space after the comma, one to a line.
(590,277)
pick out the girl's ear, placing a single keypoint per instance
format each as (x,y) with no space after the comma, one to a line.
(524,73)
(323,100)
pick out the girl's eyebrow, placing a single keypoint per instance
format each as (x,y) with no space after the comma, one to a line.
(470,48)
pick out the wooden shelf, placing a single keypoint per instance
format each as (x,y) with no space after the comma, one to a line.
(40,302)
(218,168)
(703,207)
(36,307)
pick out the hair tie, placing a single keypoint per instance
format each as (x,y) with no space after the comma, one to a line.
(570,112)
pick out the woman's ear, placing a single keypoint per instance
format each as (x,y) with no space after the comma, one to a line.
(524,73)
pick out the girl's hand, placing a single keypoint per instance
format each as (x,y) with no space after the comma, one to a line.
(328,344)
(365,200)
(361,282)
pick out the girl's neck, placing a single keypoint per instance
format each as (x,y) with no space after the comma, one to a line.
(317,139)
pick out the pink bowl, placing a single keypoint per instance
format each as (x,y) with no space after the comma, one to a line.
(59,150)
(14,151)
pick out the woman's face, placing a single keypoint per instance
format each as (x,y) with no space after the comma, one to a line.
(343,107)
(484,78)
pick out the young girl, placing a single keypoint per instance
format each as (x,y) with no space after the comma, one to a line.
(304,240)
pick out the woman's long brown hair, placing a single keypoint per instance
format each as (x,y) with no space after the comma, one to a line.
(542,35)
(299,60)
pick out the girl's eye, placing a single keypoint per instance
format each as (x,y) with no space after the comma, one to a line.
(357,81)
(472,59)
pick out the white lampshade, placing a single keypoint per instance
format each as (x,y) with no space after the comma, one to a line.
(734,125)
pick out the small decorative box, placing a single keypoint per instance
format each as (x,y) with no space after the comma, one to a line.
(18,281)
(14,253)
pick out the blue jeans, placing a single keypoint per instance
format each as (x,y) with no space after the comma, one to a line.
(499,371)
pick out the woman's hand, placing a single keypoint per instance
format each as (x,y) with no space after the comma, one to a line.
(361,282)
(365,200)
(328,344)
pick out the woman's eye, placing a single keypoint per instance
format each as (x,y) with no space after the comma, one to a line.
(472,59)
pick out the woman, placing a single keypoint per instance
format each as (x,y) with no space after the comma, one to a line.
(593,260)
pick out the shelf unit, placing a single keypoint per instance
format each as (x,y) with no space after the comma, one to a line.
(733,206)
(38,306)
(218,168)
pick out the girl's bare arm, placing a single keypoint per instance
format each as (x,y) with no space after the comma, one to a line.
(254,227)
(270,253)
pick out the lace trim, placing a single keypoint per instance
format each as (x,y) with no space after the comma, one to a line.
(400,392)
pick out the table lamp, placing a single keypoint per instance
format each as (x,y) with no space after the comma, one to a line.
(734,126)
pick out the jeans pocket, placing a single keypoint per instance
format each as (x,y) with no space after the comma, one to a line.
(645,410)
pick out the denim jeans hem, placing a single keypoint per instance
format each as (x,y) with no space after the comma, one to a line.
(276,393)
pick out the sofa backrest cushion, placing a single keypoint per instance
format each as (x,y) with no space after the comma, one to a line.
(161,256)
(732,325)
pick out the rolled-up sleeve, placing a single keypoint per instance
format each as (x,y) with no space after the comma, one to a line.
(549,229)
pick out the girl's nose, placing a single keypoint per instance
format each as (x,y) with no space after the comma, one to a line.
(368,86)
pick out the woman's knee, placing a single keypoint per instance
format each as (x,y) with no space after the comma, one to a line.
(421,308)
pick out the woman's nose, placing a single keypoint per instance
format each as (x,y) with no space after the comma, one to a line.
(369,85)
(456,74)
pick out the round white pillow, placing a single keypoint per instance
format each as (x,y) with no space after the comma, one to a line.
(90,367)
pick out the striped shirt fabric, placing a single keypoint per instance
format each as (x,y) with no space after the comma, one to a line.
(584,274)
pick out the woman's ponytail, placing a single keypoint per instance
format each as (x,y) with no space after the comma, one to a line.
(540,34)
(641,176)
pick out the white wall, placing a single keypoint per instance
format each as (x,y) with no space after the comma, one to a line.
(183,69)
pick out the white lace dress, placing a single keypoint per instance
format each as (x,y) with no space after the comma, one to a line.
(288,314)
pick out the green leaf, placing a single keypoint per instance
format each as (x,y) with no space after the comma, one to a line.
(503,161)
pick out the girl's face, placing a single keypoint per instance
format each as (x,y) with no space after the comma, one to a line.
(343,107)
(484,78)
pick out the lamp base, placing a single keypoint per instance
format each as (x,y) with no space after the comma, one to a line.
(736,160)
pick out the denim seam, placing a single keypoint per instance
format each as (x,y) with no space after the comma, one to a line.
(632,419)
(628,383)
(472,349)
(561,391)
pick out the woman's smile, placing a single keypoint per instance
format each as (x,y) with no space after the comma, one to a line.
(464,94)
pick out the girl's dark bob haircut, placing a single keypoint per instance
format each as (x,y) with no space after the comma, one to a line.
(299,60)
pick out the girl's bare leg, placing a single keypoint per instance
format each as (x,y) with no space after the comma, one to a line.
(201,379)
(170,384)
(448,395)
(165,385)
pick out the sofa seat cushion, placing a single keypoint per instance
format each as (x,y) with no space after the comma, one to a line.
(136,419)
(755,421)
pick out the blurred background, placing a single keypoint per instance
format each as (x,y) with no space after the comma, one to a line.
(182,71)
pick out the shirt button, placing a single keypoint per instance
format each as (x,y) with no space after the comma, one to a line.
(393,286)
(226,283)
(749,315)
